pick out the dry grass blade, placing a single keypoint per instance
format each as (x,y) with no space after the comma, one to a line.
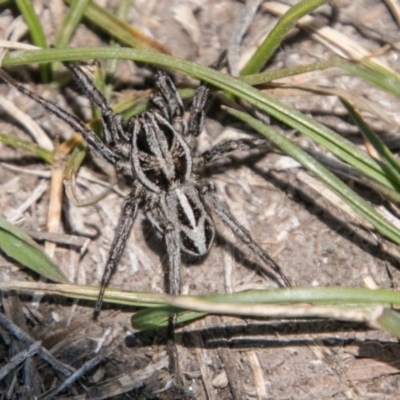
(27,340)
(56,200)
(17,214)
(128,381)
(37,133)
(19,358)
(331,38)
(241,26)
(394,7)
(11,45)
(89,365)
(59,238)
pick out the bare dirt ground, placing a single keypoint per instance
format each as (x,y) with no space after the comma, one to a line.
(315,243)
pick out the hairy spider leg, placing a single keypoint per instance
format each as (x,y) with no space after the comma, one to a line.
(112,123)
(99,148)
(131,202)
(196,120)
(172,241)
(128,214)
(197,115)
(166,98)
(211,199)
(221,150)
(225,148)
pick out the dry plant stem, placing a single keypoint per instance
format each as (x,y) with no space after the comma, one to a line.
(36,194)
(331,38)
(83,176)
(235,381)
(125,382)
(33,128)
(241,26)
(71,185)
(56,199)
(76,375)
(202,357)
(30,376)
(394,7)
(257,374)
(59,238)
(19,358)
(61,368)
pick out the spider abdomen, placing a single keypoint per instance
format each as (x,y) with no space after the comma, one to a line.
(183,208)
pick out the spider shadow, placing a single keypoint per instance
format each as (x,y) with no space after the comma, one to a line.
(326,216)
(300,196)
(252,334)
(268,335)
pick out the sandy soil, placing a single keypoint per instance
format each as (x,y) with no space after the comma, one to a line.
(314,242)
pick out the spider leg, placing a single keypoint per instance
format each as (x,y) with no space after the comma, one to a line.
(224,148)
(196,120)
(172,241)
(171,236)
(128,214)
(211,199)
(112,124)
(99,148)
(173,245)
(167,100)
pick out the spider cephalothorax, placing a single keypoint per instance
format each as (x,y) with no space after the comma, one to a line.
(156,152)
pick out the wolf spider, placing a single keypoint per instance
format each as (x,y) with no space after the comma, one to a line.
(157,152)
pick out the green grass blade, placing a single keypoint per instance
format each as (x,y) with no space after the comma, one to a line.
(372,73)
(389,161)
(84,292)
(71,21)
(389,321)
(369,72)
(271,75)
(20,247)
(28,146)
(119,29)
(343,303)
(156,318)
(36,31)
(275,38)
(321,134)
(328,178)
(314,295)
(339,146)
